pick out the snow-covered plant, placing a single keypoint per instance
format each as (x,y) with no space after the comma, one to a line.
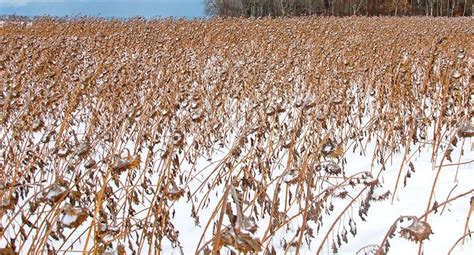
(120,136)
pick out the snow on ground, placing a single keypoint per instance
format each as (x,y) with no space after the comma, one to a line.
(447,224)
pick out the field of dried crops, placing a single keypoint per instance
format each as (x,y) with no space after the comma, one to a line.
(236,135)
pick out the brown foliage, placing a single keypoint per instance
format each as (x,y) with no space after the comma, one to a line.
(124,120)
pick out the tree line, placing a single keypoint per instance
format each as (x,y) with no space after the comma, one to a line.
(275,8)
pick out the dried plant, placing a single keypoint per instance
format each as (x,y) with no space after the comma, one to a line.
(111,128)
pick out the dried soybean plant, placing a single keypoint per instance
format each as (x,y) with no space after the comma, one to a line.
(111,128)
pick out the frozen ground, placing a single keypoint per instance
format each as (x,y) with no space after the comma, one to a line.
(455,177)
(447,225)
(110,144)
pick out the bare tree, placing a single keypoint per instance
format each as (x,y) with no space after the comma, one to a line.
(275,8)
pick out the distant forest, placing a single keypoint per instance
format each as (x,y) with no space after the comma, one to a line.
(275,8)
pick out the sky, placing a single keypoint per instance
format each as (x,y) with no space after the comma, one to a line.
(104,8)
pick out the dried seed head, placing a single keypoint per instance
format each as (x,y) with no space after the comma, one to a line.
(293,176)
(90,163)
(6,202)
(165,112)
(456,74)
(197,116)
(418,231)
(120,250)
(299,103)
(248,224)
(337,100)
(178,138)
(63,152)
(55,193)
(37,124)
(328,147)
(329,167)
(194,104)
(286,144)
(270,111)
(241,241)
(174,193)
(82,149)
(8,251)
(121,164)
(466,130)
(73,217)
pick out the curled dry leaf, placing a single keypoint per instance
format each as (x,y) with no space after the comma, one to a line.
(270,111)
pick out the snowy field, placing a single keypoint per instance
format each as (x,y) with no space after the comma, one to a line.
(183,137)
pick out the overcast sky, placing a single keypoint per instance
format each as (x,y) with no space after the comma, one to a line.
(104,8)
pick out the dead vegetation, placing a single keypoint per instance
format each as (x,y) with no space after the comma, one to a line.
(107,125)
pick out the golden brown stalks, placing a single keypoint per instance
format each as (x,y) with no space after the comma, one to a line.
(110,128)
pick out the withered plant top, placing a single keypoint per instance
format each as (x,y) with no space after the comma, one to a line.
(104,123)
